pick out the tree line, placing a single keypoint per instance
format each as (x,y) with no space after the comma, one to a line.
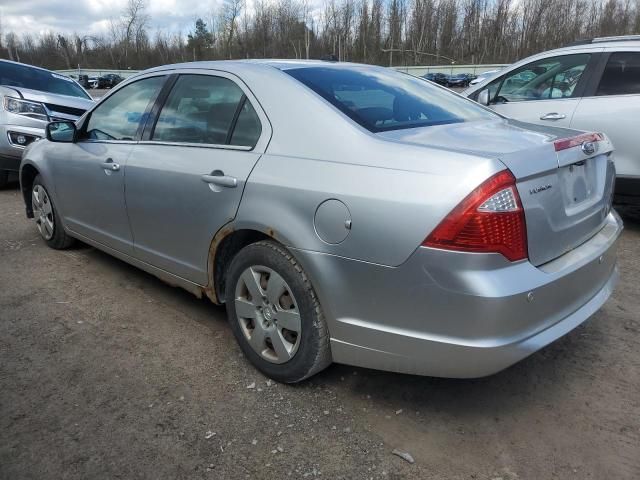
(384,32)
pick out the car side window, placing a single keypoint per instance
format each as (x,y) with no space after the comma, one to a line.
(199,109)
(621,75)
(248,127)
(120,115)
(549,78)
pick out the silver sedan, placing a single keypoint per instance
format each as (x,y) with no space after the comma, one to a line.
(342,212)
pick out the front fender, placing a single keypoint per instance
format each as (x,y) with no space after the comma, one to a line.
(35,162)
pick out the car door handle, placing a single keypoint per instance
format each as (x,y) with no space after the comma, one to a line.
(109,164)
(553,116)
(217,177)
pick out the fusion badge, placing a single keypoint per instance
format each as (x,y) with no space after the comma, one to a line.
(539,188)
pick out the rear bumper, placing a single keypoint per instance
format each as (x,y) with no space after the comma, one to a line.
(459,315)
(449,359)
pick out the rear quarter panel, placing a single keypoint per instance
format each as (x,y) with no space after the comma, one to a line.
(391,210)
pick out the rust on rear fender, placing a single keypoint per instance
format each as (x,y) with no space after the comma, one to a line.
(210,289)
(213,258)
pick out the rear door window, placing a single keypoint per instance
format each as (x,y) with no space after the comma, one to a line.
(200,109)
(248,127)
(621,75)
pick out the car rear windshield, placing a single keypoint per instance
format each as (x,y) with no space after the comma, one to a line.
(15,75)
(381,100)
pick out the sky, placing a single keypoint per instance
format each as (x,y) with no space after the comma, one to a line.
(91,17)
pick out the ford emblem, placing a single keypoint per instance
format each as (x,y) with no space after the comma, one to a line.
(589,148)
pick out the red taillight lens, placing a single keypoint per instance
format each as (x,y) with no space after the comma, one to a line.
(489,219)
(571,142)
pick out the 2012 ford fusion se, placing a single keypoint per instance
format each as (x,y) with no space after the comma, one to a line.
(342,212)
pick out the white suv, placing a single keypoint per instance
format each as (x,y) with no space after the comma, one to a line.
(591,85)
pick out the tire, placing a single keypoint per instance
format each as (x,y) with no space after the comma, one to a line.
(47,218)
(280,282)
(4,178)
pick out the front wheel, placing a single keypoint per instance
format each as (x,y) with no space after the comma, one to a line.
(275,314)
(47,218)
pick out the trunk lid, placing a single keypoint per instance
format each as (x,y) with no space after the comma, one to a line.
(566,190)
(568,204)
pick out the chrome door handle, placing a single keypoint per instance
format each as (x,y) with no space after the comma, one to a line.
(217,177)
(553,116)
(109,164)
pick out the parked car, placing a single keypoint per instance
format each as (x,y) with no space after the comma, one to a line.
(483,76)
(93,82)
(439,78)
(30,97)
(592,85)
(83,80)
(109,80)
(409,229)
(459,80)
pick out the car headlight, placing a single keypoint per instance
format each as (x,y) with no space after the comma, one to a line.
(25,107)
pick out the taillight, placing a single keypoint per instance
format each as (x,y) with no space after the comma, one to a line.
(566,143)
(490,220)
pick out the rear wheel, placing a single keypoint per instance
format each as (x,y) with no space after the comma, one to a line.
(275,314)
(46,217)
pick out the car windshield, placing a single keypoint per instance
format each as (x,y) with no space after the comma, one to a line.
(16,75)
(382,100)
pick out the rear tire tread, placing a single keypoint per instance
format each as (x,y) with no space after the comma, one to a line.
(322,357)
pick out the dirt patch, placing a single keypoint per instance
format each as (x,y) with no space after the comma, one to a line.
(105,372)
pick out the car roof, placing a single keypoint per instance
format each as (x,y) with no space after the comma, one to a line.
(284,64)
(235,66)
(608,40)
(620,43)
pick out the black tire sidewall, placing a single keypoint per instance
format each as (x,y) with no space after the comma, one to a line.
(305,358)
(59,240)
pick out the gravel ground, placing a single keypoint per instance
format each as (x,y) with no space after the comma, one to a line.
(105,372)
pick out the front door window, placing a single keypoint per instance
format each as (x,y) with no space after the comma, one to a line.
(120,115)
(546,79)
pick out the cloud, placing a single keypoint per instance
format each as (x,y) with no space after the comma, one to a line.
(92,17)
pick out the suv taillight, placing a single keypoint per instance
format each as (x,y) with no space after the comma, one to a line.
(490,220)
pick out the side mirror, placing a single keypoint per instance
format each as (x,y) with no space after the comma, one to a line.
(483,97)
(63,132)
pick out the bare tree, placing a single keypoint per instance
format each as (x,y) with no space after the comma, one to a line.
(385,32)
(231,10)
(133,24)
